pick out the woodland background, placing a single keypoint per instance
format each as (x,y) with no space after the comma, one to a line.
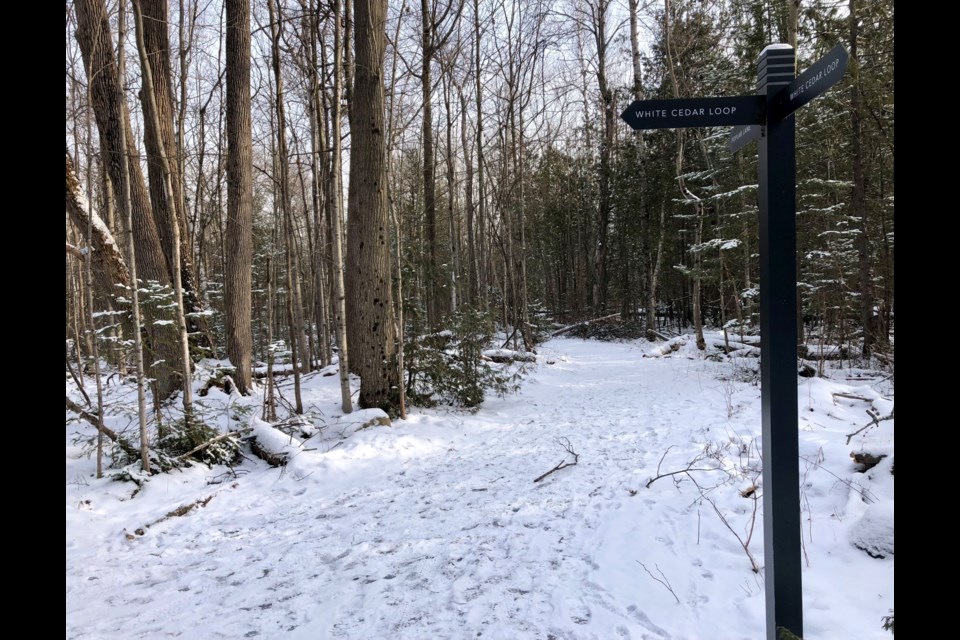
(393,184)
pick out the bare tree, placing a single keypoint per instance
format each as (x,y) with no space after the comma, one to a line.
(437,25)
(161,143)
(299,354)
(239,232)
(104,72)
(370,326)
(858,200)
(166,167)
(687,193)
(335,214)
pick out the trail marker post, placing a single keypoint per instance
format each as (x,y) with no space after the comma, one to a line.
(768,117)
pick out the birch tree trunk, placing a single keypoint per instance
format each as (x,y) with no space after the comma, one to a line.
(335,211)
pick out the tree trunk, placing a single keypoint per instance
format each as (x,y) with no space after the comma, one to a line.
(698,225)
(429,176)
(318,179)
(110,269)
(166,168)
(160,141)
(472,289)
(606,151)
(858,207)
(126,178)
(294,308)
(482,254)
(649,259)
(370,324)
(335,212)
(451,197)
(239,259)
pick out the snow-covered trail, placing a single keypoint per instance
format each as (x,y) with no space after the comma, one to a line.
(434,528)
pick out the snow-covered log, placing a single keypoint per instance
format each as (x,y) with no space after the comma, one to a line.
(508,355)
(668,347)
(272,445)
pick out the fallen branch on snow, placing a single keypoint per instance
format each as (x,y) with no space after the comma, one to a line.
(850,396)
(565,443)
(664,582)
(687,469)
(182,510)
(875,420)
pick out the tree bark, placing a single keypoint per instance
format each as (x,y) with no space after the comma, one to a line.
(239,232)
(606,151)
(858,207)
(471,208)
(110,268)
(335,212)
(294,308)
(370,325)
(160,141)
(166,167)
(429,177)
(126,178)
(482,254)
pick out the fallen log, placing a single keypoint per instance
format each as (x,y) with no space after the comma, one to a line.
(668,347)
(505,356)
(272,445)
(584,323)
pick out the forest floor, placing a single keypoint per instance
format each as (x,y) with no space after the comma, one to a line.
(434,528)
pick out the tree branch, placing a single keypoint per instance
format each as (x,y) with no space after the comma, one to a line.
(565,442)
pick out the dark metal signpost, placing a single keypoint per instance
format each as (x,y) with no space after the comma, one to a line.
(768,117)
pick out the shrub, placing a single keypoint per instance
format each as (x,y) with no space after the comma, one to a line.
(448,367)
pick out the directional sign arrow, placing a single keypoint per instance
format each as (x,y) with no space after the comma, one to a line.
(695,112)
(820,76)
(742,136)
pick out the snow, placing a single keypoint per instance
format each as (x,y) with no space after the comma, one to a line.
(433,527)
(773,47)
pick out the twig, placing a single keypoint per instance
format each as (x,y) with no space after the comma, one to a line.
(753,521)
(865,493)
(744,544)
(83,391)
(875,420)
(664,582)
(689,467)
(565,443)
